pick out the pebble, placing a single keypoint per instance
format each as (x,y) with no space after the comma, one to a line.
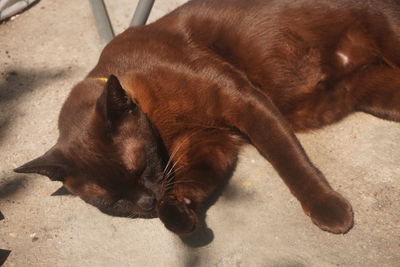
(13,234)
(34,237)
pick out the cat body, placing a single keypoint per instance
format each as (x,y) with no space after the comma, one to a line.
(156,126)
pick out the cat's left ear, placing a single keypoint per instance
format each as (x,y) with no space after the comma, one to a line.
(52,164)
(114,101)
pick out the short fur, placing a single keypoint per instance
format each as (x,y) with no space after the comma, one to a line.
(161,136)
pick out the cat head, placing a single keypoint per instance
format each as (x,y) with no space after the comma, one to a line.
(108,152)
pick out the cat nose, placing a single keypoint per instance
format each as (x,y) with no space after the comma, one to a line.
(146,202)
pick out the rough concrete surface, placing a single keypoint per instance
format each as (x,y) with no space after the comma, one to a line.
(256,222)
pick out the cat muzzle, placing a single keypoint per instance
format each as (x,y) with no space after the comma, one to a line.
(146,203)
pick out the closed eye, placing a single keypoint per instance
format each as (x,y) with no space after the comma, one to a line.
(137,173)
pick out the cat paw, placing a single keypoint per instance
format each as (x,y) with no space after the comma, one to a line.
(332,213)
(177,216)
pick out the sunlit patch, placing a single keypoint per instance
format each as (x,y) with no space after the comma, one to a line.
(187,201)
(133,154)
(344,58)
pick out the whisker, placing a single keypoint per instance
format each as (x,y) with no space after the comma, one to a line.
(171,175)
(179,147)
(175,163)
(168,163)
(170,185)
(170,169)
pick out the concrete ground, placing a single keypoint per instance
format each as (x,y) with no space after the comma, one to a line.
(256,222)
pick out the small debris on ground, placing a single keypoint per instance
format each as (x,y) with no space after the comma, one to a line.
(13,234)
(34,237)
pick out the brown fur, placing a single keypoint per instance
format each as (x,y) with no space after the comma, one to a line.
(211,76)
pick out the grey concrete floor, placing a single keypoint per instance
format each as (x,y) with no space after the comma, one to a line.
(256,222)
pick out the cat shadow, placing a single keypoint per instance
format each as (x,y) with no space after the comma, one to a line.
(192,260)
(203,234)
(192,255)
(15,83)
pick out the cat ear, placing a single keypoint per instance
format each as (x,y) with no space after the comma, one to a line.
(62,191)
(52,164)
(113,101)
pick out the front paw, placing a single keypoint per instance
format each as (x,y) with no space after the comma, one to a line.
(177,216)
(331,212)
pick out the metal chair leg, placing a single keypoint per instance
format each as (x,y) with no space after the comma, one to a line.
(142,12)
(103,23)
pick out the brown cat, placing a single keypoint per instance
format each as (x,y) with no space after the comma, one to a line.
(155,128)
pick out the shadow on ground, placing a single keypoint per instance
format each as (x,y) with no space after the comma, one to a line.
(192,260)
(4,255)
(3,252)
(16,83)
(204,235)
(10,186)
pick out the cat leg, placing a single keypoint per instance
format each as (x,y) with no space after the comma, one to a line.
(203,163)
(324,106)
(253,113)
(377,91)
(242,106)
(269,132)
